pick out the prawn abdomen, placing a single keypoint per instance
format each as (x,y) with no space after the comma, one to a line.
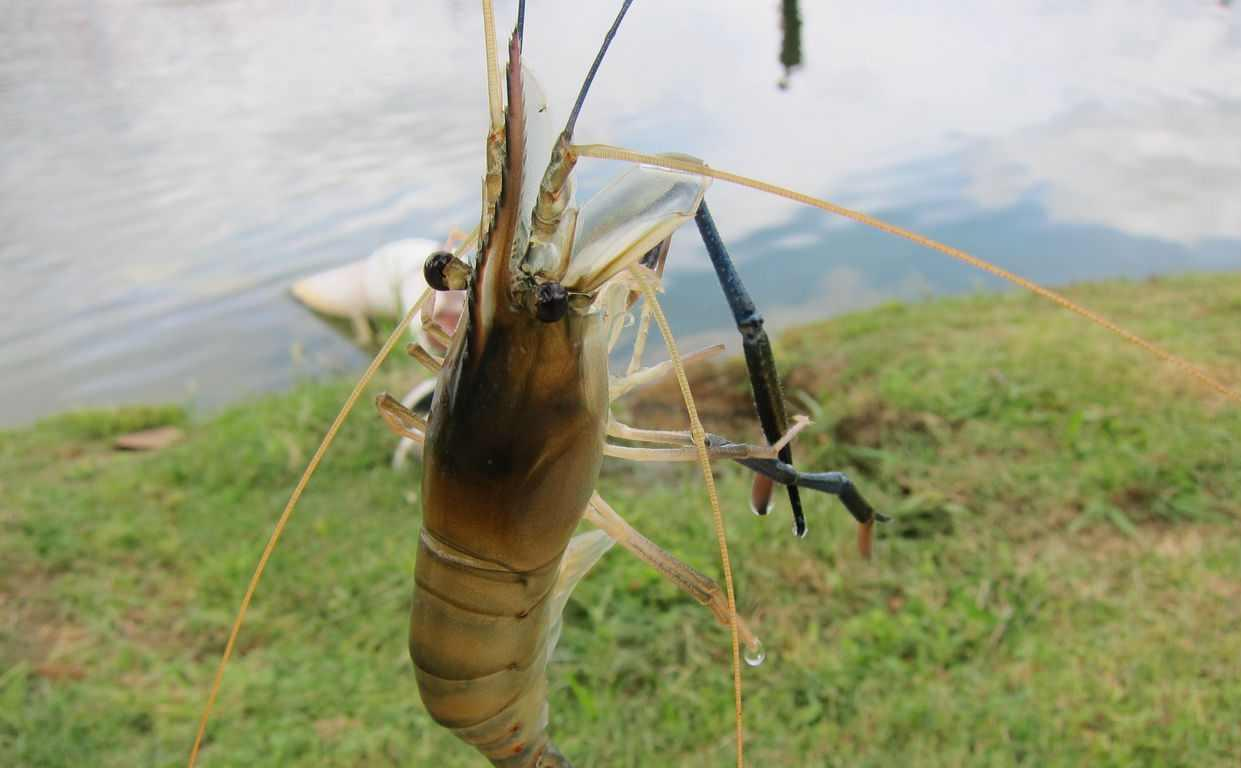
(480,652)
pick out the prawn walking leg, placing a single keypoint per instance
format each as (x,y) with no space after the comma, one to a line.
(759,361)
(768,394)
(763,460)
(685,577)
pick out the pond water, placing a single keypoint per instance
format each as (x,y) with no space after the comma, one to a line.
(167,169)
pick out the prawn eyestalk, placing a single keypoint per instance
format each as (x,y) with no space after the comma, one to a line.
(551,302)
(445,272)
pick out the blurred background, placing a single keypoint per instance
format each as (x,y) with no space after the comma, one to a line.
(167,169)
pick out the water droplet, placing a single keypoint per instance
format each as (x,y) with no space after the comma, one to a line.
(802,533)
(628,320)
(762,512)
(754,654)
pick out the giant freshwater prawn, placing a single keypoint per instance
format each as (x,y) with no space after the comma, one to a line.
(520,421)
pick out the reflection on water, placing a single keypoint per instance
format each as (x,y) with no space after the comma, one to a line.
(1167,170)
(790,40)
(167,169)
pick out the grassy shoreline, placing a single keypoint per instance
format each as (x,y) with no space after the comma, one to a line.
(1062,584)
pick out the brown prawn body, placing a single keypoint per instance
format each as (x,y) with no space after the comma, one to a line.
(515,439)
(513,451)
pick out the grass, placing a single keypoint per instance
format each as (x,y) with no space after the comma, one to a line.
(1061,585)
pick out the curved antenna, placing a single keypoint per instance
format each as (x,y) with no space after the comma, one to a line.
(605,152)
(493,71)
(594,68)
(699,437)
(550,206)
(352,400)
(287,514)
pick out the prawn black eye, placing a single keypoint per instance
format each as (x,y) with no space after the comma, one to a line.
(445,272)
(551,302)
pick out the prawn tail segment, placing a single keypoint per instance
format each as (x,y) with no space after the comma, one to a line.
(504,713)
(553,759)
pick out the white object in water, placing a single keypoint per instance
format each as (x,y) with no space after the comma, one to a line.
(384,284)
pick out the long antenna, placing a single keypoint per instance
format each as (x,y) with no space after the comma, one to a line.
(606,152)
(494,108)
(521,22)
(253,586)
(287,514)
(550,206)
(699,438)
(594,68)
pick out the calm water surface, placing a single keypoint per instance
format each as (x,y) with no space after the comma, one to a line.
(167,169)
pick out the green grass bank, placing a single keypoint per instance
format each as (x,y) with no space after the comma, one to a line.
(1061,584)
